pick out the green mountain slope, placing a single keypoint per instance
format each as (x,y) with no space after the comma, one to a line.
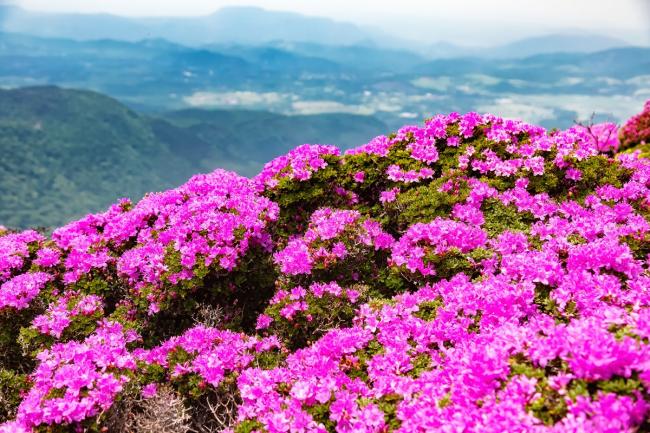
(244,140)
(67,152)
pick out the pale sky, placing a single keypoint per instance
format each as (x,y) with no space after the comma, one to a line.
(415,19)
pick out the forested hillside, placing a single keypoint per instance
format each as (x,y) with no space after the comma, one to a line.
(64,153)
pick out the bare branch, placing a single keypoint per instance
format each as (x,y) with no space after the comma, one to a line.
(163,413)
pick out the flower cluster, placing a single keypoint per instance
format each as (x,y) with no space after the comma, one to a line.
(209,353)
(605,136)
(299,164)
(435,238)
(65,310)
(19,291)
(14,249)
(76,380)
(332,236)
(291,302)
(395,173)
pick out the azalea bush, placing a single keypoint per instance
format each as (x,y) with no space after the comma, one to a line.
(635,134)
(469,274)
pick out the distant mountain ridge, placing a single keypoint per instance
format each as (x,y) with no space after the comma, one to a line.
(623,62)
(249,25)
(162,66)
(557,43)
(310,78)
(527,47)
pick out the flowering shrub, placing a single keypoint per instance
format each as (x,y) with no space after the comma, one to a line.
(636,132)
(299,164)
(206,355)
(332,236)
(300,316)
(442,236)
(77,380)
(470,274)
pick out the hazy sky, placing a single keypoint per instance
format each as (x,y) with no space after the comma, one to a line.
(467,21)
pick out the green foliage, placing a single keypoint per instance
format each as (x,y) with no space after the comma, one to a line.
(445,401)
(248,426)
(548,306)
(499,218)
(11,323)
(429,310)
(321,414)
(392,280)
(420,364)
(620,385)
(269,359)
(550,407)
(552,181)
(640,246)
(306,327)
(597,171)
(359,368)
(388,404)
(454,261)
(12,385)
(425,202)
(254,279)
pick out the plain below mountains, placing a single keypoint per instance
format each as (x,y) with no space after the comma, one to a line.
(67,152)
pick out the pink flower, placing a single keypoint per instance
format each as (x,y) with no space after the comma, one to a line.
(263,322)
(389,195)
(149,390)
(295,258)
(573,174)
(47,257)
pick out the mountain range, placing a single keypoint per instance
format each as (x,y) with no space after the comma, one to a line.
(297,78)
(250,25)
(256,26)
